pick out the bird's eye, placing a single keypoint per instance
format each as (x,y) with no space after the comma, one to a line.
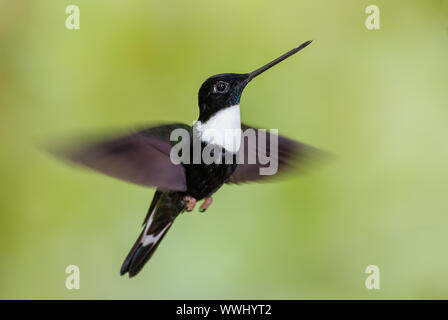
(221,86)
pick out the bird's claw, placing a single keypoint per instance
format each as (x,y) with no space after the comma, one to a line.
(207,202)
(190,203)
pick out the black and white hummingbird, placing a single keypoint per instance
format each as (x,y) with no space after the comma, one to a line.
(144,158)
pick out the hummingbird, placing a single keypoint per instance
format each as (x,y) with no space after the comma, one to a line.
(143,158)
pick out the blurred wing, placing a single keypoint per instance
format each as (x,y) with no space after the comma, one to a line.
(142,158)
(291,155)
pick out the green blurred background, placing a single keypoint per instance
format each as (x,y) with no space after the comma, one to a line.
(376,99)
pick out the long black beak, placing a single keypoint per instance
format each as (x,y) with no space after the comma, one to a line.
(259,71)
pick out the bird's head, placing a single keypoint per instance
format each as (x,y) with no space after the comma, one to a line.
(224,90)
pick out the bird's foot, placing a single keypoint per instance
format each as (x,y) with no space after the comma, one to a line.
(190,203)
(207,202)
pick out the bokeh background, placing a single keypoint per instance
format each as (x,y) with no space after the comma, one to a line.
(375,99)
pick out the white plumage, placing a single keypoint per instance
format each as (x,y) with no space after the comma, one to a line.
(223,129)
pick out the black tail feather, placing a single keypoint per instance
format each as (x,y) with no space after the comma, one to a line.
(139,255)
(161,215)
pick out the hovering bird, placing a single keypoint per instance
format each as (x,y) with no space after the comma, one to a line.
(144,158)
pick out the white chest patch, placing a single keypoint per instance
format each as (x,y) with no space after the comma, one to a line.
(223,129)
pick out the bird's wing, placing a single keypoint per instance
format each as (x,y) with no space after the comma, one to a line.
(290,155)
(142,158)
